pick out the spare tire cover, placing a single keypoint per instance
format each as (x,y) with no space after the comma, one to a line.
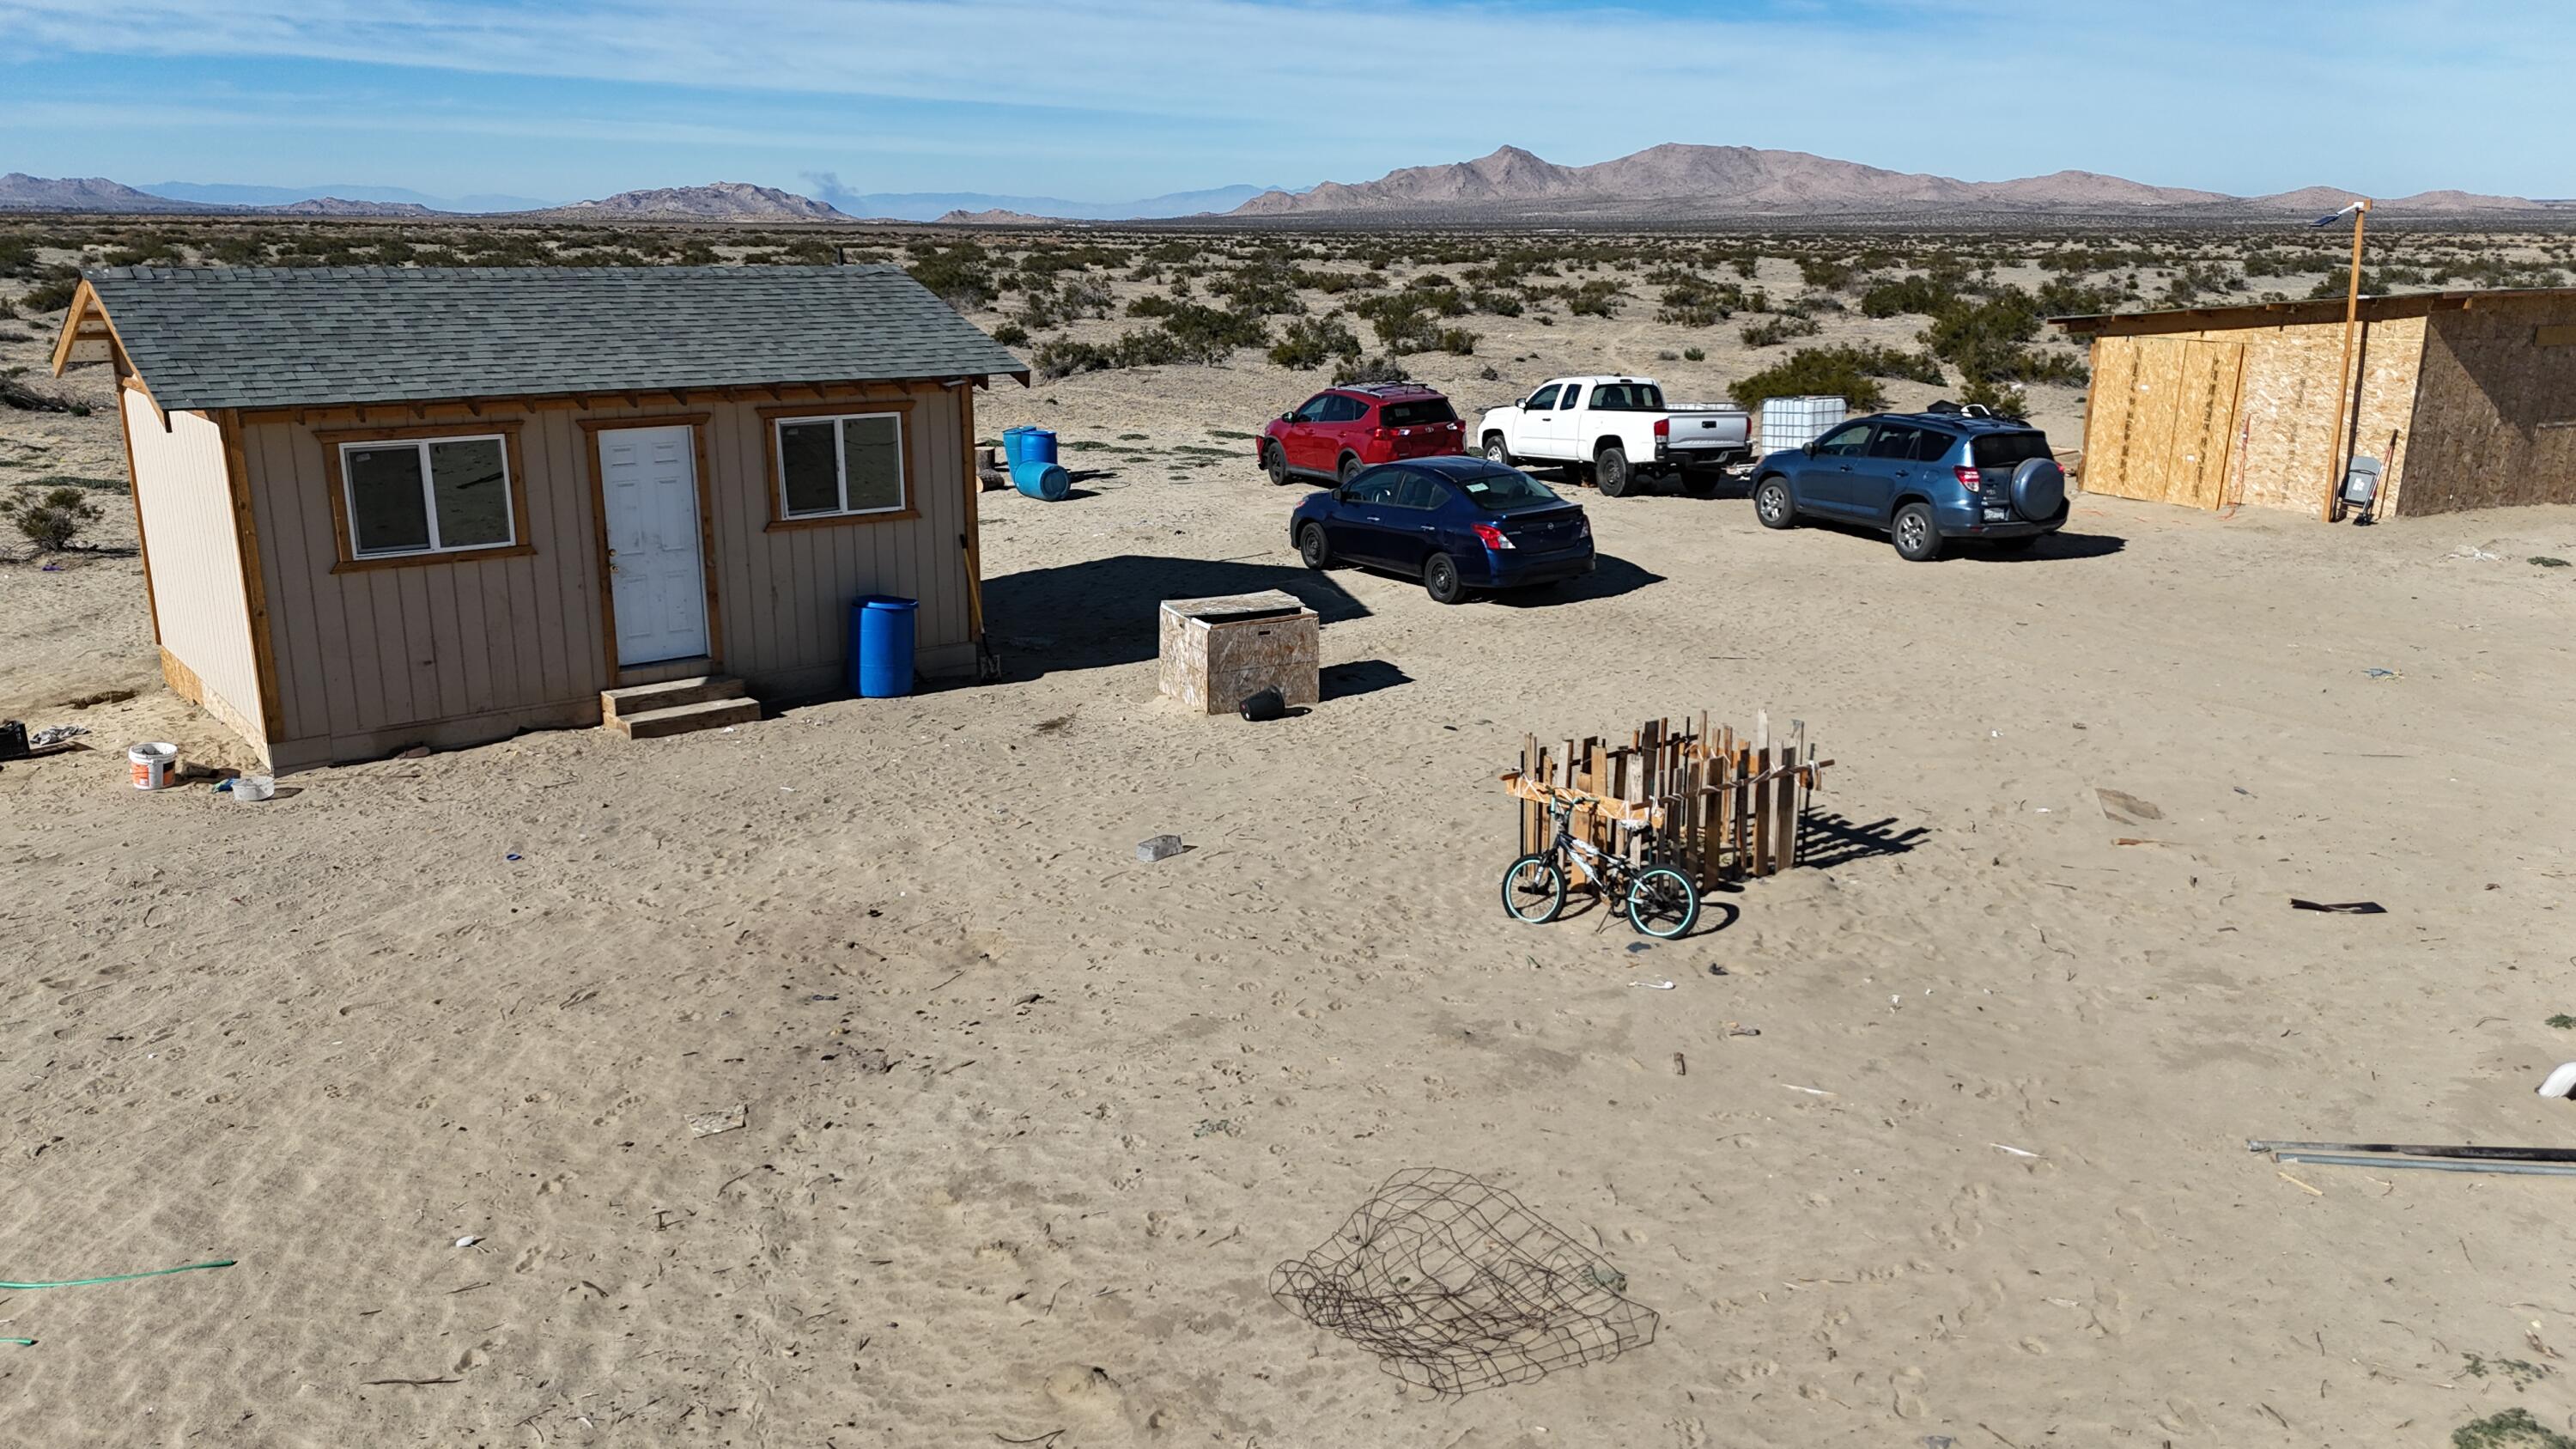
(2038,489)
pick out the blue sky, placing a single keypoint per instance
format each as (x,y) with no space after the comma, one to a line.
(1097,100)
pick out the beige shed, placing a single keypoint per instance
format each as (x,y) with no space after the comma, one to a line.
(384,506)
(2467,399)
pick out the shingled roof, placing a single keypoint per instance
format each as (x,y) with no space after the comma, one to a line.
(247,337)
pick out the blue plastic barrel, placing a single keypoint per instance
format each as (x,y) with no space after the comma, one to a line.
(1044,481)
(1015,444)
(1037,445)
(881,646)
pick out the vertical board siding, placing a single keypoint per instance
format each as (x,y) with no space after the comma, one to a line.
(365,652)
(2496,412)
(2178,441)
(181,491)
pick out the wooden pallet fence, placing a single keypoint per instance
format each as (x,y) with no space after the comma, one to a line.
(1731,805)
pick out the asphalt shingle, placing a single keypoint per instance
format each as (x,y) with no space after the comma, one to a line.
(246,337)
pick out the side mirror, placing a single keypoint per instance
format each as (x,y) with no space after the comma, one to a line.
(1289,416)
(1341,495)
(1520,402)
(1810,449)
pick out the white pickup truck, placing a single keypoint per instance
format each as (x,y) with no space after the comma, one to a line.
(1618,427)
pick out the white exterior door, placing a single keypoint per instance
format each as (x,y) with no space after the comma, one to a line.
(657,573)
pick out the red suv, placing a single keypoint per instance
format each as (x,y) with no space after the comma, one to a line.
(1344,429)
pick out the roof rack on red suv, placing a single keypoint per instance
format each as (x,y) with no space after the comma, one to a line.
(1343,429)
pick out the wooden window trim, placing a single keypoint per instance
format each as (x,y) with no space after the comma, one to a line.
(775,484)
(344,543)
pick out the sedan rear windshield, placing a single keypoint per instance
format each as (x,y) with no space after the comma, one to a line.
(1627,397)
(2008,450)
(1416,414)
(1505,491)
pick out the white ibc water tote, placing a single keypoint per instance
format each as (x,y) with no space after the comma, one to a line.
(1794,422)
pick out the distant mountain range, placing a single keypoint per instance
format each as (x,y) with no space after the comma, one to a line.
(1679,183)
(936,205)
(1662,184)
(221,194)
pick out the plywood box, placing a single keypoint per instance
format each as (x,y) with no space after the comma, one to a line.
(1215,652)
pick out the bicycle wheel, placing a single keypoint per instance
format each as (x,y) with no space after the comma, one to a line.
(1662,903)
(1534,889)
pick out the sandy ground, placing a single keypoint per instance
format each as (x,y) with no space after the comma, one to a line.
(1030,1123)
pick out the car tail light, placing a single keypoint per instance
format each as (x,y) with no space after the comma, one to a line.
(1491,537)
(1379,433)
(1970,478)
(1663,427)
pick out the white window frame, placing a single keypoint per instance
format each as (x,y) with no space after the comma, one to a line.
(428,495)
(840,465)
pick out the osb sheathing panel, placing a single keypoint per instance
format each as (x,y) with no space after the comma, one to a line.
(2496,423)
(2273,448)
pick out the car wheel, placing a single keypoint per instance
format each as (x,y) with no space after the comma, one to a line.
(1440,580)
(1772,504)
(1274,462)
(1916,537)
(1343,470)
(1496,451)
(1312,550)
(1610,473)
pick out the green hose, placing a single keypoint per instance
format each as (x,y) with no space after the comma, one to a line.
(124,1277)
(111,1278)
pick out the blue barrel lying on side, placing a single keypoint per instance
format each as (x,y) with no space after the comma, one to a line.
(1041,480)
(881,639)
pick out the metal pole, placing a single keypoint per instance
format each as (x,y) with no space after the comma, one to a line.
(2518,1169)
(2423,1149)
(2343,374)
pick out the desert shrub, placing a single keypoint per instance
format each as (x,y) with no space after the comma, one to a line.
(1210,334)
(1191,333)
(1986,341)
(8,309)
(1456,341)
(1851,373)
(961,275)
(51,296)
(1310,342)
(1011,334)
(1333,284)
(1496,301)
(1152,304)
(1827,273)
(1052,304)
(1693,301)
(1893,296)
(1694,354)
(17,256)
(53,518)
(1265,288)
(1375,369)
(1772,331)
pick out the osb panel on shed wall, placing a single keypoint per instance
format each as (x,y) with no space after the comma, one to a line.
(2496,420)
(2163,421)
(2281,446)
(475,649)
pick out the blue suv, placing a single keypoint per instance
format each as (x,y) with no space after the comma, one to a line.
(1923,479)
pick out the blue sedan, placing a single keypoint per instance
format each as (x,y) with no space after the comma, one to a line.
(1454,523)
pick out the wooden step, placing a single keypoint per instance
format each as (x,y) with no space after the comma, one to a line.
(703,714)
(637,698)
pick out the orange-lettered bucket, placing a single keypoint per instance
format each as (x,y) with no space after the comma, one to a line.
(153,764)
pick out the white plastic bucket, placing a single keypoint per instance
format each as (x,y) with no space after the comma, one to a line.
(251,789)
(153,764)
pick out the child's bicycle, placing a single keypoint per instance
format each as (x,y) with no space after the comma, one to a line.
(1657,899)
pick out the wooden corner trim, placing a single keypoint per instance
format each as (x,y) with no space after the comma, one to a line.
(263,640)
